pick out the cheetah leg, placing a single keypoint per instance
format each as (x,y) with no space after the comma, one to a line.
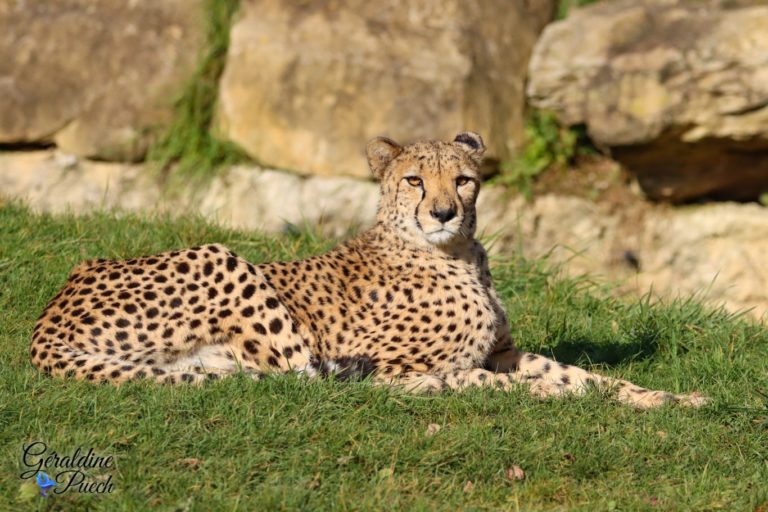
(248,353)
(73,363)
(219,316)
(557,379)
(411,382)
(459,380)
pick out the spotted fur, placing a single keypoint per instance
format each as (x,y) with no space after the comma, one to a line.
(409,302)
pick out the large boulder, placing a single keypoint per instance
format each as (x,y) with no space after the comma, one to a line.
(307,83)
(98,78)
(677,89)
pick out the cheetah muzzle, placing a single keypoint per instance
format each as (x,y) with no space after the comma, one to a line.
(410,302)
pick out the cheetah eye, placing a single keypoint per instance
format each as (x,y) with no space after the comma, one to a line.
(414,181)
(462,180)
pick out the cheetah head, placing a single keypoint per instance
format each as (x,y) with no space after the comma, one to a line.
(428,189)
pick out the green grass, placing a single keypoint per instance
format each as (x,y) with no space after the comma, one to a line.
(546,143)
(188,146)
(565,6)
(285,443)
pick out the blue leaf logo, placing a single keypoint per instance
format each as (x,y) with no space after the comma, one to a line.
(45,483)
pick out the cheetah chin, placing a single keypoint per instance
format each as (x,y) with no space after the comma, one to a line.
(440,237)
(408,303)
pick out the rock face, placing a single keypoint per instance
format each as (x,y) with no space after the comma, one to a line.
(717,251)
(96,78)
(714,251)
(677,89)
(241,197)
(308,83)
(277,202)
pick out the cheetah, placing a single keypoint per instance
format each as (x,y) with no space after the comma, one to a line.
(410,302)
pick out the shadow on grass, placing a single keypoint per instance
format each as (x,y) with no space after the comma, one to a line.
(579,351)
(643,343)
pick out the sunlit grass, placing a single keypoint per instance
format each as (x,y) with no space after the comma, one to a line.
(286,443)
(189,147)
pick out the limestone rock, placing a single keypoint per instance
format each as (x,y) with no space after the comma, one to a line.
(96,77)
(243,197)
(56,182)
(677,89)
(555,225)
(274,201)
(308,83)
(716,251)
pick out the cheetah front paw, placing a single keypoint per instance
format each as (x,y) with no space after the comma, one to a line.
(652,399)
(694,399)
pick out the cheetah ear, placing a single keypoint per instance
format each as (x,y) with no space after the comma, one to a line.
(380,151)
(472,144)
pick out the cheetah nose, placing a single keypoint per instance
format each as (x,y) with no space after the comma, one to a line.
(443,214)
